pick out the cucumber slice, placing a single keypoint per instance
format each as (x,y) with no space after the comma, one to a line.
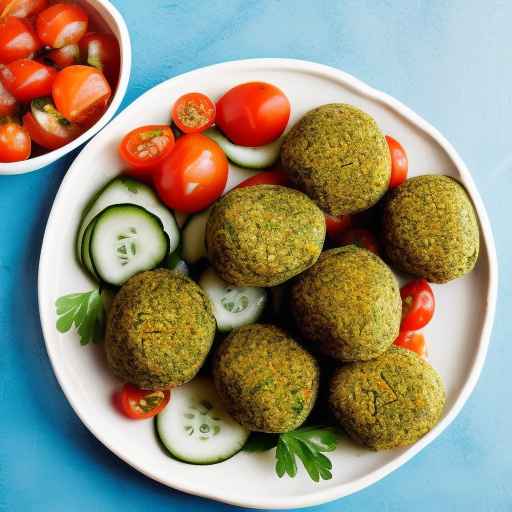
(128,191)
(232,306)
(252,158)
(195,428)
(126,239)
(194,248)
(85,252)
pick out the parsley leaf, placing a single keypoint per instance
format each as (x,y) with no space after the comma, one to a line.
(85,311)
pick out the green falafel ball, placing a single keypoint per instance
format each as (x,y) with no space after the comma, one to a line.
(267,381)
(391,401)
(159,330)
(348,304)
(339,157)
(430,228)
(264,235)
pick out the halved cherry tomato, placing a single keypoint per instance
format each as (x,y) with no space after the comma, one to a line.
(193,112)
(65,56)
(14,142)
(21,8)
(27,79)
(7,102)
(102,52)
(360,237)
(194,175)
(17,39)
(144,148)
(253,114)
(399,162)
(140,404)
(81,93)
(418,305)
(275,177)
(414,341)
(61,24)
(335,226)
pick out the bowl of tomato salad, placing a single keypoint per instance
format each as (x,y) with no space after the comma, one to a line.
(64,70)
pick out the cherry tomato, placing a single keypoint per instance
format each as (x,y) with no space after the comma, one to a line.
(21,8)
(414,341)
(418,304)
(194,175)
(7,102)
(65,56)
(193,112)
(139,404)
(17,40)
(81,93)
(144,148)
(275,177)
(61,24)
(335,226)
(14,142)
(102,52)
(253,114)
(27,79)
(399,162)
(360,237)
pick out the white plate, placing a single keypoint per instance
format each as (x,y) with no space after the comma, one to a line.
(457,337)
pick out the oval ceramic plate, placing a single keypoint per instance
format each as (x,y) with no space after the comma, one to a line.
(465,308)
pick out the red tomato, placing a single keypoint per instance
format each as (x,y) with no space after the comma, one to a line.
(7,102)
(81,93)
(65,56)
(399,162)
(418,305)
(335,226)
(139,404)
(275,177)
(21,8)
(102,52)
(194,175)
(144,148)
(14,142)
(61,24)
(253,114)
(17,40)
(360,237)
(414,341)
(27,79)
(193,112)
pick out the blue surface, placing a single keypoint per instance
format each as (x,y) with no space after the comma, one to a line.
(449,61)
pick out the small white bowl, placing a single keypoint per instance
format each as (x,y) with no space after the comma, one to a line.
(108,18)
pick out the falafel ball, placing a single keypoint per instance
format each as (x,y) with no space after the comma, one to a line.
(348,304)
(267,381)
(430,228)
(339,157)
(391,401)
(159,330)
(264,235)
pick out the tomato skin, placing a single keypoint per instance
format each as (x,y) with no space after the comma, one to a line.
(21,8)
(7,102)
(81,93)
(273,177)
(193,112)
(27,79)
(135,403)
(65,56)
(253,114)
(102,51)
(418,305)
(41,136)
(17,40)
(194,175)
(15,143)
(399,162)
(360,237)
(335,226)
(414,341)
(61,24)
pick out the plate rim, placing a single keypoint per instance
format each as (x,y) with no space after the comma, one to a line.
(322,495)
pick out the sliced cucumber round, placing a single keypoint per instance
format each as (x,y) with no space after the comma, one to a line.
(194,248)
(85,251)
(126,239)
(251,158)
(195,427)
(232,306)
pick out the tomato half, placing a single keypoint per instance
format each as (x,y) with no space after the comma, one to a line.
(65,56)
(17,39)
(194,175)
(414,341)
(14,142)
(335,226)
(140,404)
(275,177)
(193,112)
(418,304)
(253,114)
(144,148)
(61,24)
(81,93)
(21,8)
(399,162)
(361,237)
(7,102)
(27,79)
(102,52)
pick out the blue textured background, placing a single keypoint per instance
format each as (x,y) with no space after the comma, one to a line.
(449,61)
